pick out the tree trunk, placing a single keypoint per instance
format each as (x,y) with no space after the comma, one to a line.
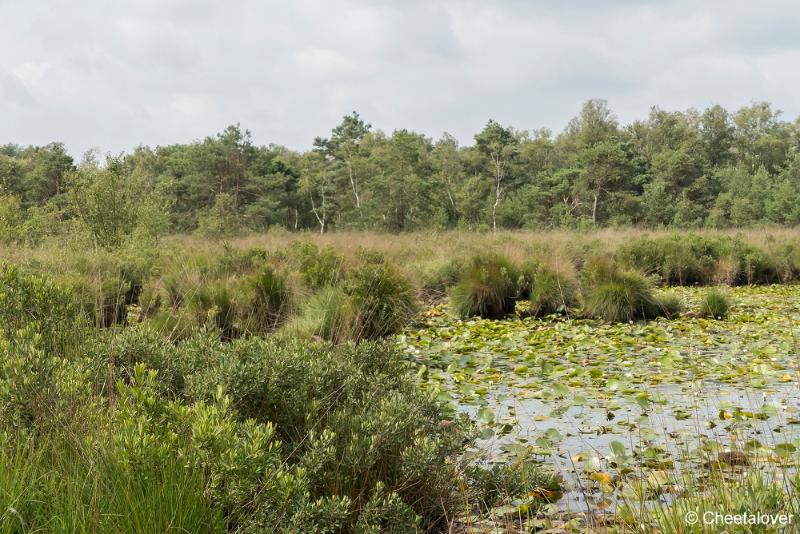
(353,185)
(594,208)
(494,206)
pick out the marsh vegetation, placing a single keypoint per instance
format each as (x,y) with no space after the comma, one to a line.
(428,382)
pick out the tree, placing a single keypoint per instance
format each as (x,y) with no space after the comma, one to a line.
(344,147)
(499,148)
(112,205)
(316,185)
(595,123)
(606,167)
(448,171)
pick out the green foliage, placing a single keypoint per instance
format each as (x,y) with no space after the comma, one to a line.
(271,301)
(715,304)
(34,308)
(437,279)
(551,292)
(695,259)
(382,298)
(488,287)
(373,301)
(329,314)
(318,268)
(12,219)
(671,306)
(222,219)
(679,169)
(618,296)
(787,261)
(114,205)
(503,483)
(56,486)
(328,407)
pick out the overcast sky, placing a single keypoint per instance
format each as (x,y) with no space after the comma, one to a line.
(117,74)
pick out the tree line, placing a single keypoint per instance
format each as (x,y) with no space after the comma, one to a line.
(683,169)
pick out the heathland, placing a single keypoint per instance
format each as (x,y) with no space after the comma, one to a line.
(371,382)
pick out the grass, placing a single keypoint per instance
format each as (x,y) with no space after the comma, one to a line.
(487,287)
(715,304)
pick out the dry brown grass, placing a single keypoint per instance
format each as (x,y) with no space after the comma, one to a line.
(414,253)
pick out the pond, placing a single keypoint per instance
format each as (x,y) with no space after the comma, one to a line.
(626,411)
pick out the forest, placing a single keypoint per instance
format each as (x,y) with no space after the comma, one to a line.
(676,169)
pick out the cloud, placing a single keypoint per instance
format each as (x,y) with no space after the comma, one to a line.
(115,75)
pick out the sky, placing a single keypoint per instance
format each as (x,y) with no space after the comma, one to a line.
(112,75)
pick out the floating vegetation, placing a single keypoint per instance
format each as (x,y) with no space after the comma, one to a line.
(627,411)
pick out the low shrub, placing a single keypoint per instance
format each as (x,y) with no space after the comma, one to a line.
(44,310)
(214,305)
(787,261)
(488,287)
(374,301)
(351,417)
(695,259)
(671,305)
(329,314)
(714,304)
(318,268)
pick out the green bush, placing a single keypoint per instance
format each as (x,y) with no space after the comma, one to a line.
(695,259)
(214,305)
(787,261)
(436,280)
(351,417)
(318,268)
(38,306)
(329,314)
(715,304)
(488,287)
(671,305)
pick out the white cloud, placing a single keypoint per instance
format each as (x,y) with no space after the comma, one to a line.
(118,74)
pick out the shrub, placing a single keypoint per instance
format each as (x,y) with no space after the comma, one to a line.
(37,305)
(436,280)
(318,268)
(488,287)
(213,305)
(714,304)
(787,261)
(676,260)
(351,417)
(671,305)
(694,259)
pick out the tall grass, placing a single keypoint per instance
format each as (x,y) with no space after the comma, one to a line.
(488,287)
